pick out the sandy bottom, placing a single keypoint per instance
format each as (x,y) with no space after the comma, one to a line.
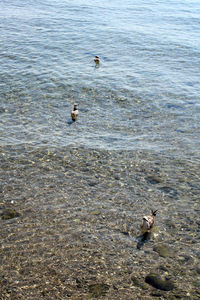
(77,235)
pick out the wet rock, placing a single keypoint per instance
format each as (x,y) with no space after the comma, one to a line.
(157,282)
(162,250)
(9,214)
(98,290)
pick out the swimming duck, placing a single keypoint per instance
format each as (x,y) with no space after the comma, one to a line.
(97,59)
(148,222)
(74,113)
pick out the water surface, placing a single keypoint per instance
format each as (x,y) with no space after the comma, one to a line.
(82,188)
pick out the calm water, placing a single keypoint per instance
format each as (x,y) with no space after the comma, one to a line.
(83,188)
(145,94)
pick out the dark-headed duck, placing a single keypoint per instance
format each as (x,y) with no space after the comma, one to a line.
(97,59)
(74,113)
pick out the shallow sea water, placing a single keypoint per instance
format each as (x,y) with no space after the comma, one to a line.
(82,188)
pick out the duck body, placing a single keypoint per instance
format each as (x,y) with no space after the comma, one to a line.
(97,59)
(148,222)
(74,113)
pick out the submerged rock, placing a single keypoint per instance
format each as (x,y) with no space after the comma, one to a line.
(98,289)
(162,250)
(9,214)
(157,282)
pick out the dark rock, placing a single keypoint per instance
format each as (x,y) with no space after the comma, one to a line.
(10,214)
(98,289)
(157,282)
(162,250)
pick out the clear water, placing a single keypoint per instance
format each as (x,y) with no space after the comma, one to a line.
(144,95)
(82,188)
